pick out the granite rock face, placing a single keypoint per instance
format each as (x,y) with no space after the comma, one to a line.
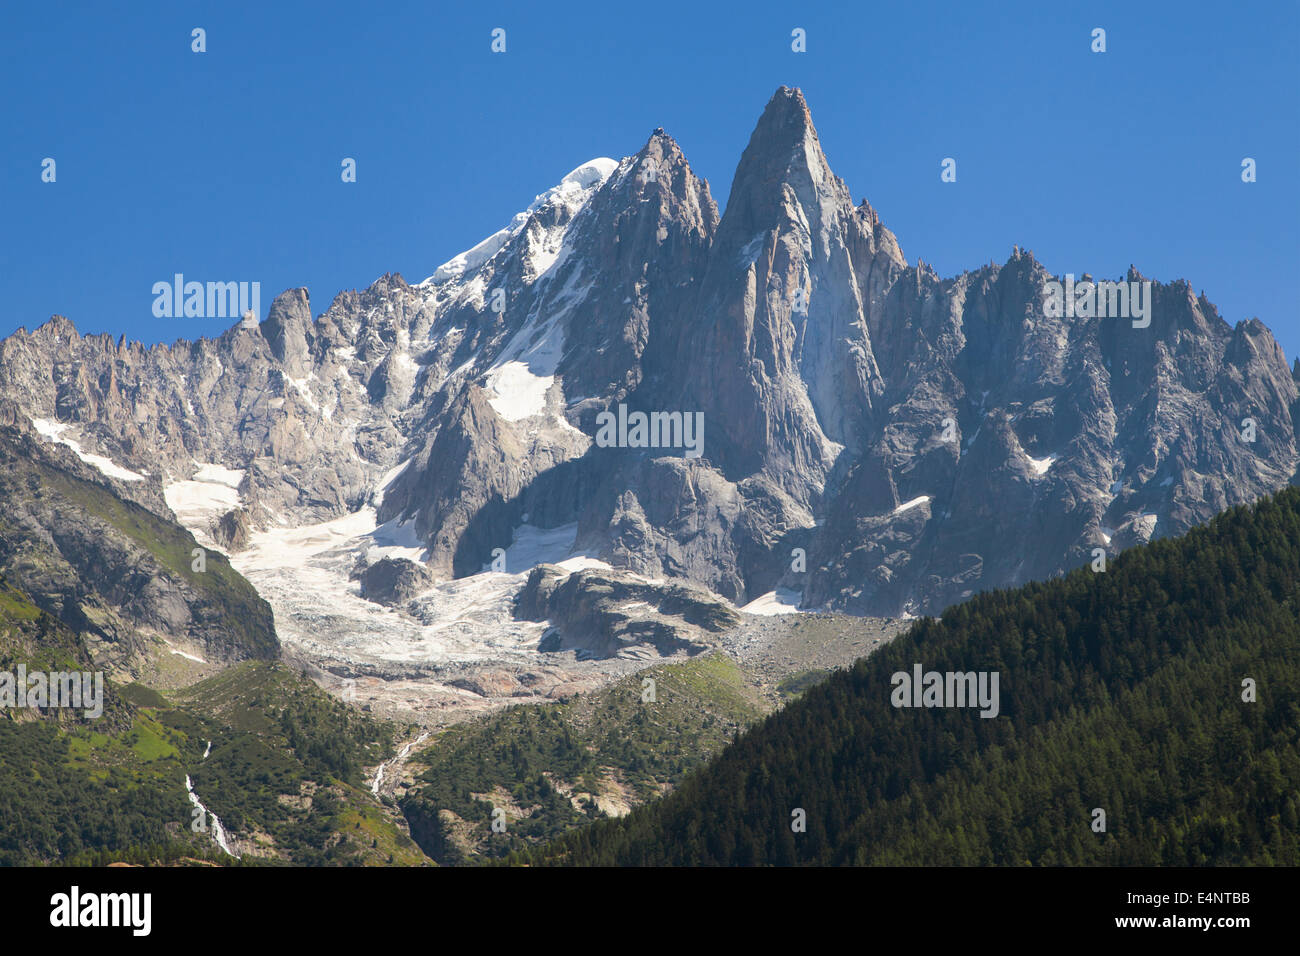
(125,579)
(603,614)
(881,439)
(394,580)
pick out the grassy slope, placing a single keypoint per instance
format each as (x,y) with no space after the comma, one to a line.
(553,767)
(77,790)
(245,617)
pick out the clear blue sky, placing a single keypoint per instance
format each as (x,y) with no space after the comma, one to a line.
(225,165)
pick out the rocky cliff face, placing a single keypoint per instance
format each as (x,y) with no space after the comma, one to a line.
(121,577)
(600,614)
(880,439)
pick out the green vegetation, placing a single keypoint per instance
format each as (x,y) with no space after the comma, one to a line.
(287,760)
(796,684)
(244,615)
(552,767)
(286,765)
(1121,691)
(118,528)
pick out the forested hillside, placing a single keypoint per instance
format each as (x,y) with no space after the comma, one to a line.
(558,766)
(278,760)
(1124,691)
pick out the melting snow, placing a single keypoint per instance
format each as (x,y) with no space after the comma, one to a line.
(218,831)
(305,575)
(53,431)
(379,771)
(780,601)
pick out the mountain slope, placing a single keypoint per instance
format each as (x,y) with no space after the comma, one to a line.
(276,759)
(876,438)
(120,574)
(553,767)
(1123,691)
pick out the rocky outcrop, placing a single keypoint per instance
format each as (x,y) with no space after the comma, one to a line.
(116,574)
(394,581)
(603,614)
(875,436)
(232,530)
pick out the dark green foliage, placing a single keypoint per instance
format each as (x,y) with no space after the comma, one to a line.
(74,789)
(1120,690)
(276,734)
(549,764)
(51,809)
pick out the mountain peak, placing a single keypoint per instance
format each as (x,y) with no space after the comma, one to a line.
(660,148)
(787,106)
(58,327)
(786,123)
(783,167)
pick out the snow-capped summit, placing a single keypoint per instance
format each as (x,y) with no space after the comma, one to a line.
(572,191)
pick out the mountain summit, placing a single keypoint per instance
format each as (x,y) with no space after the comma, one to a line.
(876,438)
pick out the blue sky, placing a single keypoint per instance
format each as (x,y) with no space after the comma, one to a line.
(225,165)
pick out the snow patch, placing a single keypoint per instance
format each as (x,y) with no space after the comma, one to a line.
(573,190)
(780,601)
(749,254)
(304,392)
(533,546)
(518,391)
(53,431)
(387,480)
(217,474)
(909,505)
(1040,465)
(212,492)
(520,378)
(396,539)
